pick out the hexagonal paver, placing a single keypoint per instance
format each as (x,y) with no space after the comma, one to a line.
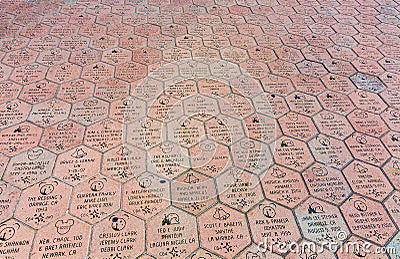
(186,194)
(125,230)
(77,164)
(53,57)
(329,151)
(378,230)
(130,71)
(313,214)
(297,126)
(68,236)
(11,196)
(13,112)
(43,203)
(292,153)
(29,167)
(76,90)
(333,124)
(8,91)
(97,72)
(239,189)
(284,186)
(19,138)
(219,220)
(303,103)
(84,57)
(116,56)
(63,73)
(104,135)
(367,123)
(266,218)
(16,233)
(367,180)
(178,224)
(95,198)
(366,148)
(25,74)
(20,57)
(89,111)
(49,112)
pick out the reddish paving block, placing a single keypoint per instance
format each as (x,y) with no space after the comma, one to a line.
(223,217)
(367,123)
(62,136)
(76,90)
(95,199)
(111,229)
(33,209)
(292,153)
(13,112)
(104,135)
(303,103)
(297,126)
(19,138)
(49,112)
(14,232)
(77,164)
(333,124)
(273,183)
(55,235)
(97,72)
(11,196)
(375,231)
(84,57)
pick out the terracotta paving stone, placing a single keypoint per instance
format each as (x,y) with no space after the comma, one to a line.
(199,129)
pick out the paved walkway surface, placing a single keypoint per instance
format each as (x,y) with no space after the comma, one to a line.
(199,129)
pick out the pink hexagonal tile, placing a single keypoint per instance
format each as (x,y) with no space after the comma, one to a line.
(76,90)
(7,205)
(89,111)
(25,74)
(13,112)
(367,123)
(63,73)
(251,155)
(84,57)
(95,198)
(19,138)
(104,135)
(16,233)
(97,72)
(292,153)
(49,112)
(303,103)
(130,71)
(43,203)
(297,126)
(20,57)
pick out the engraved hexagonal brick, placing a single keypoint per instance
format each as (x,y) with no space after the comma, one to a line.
(185,131)
(367,148)
(8,91)
(18,236)
(239,189)
(223,231)
(320,221)
(104,42)
(10,199)
(308,84)
(303,103)
(121,234)
(44,43)
(393,204)
(336,102)
(19,138)
(262,128)
(146,195)
(53,57)
(329,151)
(127,109)
(338,83)
(161,42)
(166,232)
(13,112)
(367,180)
(62,136)
(169,159)
(224,70)
(297,126)
(251,155)
(30,167)
(98,72)
(104,135)
(116,56)
(391,142)
(89,111)
(283,186)
(20,57)
(49,112)
(111,89)
(123,162)
(75,90)
(76,165)
(326,183)
(43,203)
(213,87)
(68,236)
(13,43)
(147,56)
(95,199)
(270,104)
(193,192)
(130,71)
(201,253)
(246,86)
(38,92)
(333,124)
(25,74)
(272,222)
(224,129)
(199,105)
(84,57)
(355,247)
(292,153)
(182,89)
(63,73)
(367,123)
(307,250)
(368,219)
(35,30)
(255,68)
(147,135)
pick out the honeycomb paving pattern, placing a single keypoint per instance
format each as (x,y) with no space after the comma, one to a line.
(200,129)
